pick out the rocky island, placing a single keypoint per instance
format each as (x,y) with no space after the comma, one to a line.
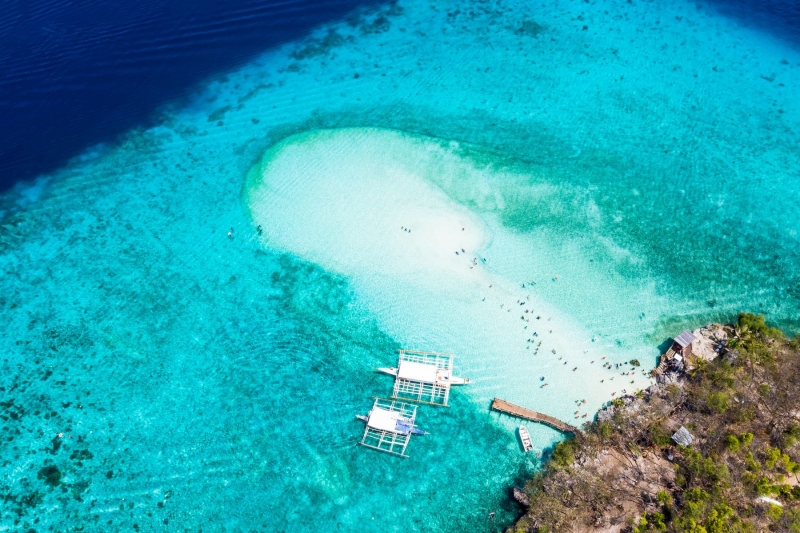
(711,447)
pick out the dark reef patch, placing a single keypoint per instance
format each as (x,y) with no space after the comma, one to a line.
(81,455)
(324,46)
(19,505)
(50,474)
(530,28)
(217,114)
(77,490)
(380,25)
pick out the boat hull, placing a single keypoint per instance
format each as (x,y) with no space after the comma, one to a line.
(453,380)
(525,439)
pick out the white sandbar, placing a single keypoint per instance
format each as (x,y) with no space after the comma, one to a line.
(362,203)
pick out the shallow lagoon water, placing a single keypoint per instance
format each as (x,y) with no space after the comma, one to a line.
(377,207)
(649,161)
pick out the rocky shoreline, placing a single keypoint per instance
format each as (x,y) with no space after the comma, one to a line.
(632,469)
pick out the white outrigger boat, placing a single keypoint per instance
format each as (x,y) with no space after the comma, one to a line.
(389,426)
(525,438)
(424,377)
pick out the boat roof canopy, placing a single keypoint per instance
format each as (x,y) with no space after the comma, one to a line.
(383,419)
(417,371)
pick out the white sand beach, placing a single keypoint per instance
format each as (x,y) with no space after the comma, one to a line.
(349,202)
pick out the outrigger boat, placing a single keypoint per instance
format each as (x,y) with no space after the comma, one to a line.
(525,438)
(424,377)
(389,426)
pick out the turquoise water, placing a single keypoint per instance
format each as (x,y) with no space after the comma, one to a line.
(650,161)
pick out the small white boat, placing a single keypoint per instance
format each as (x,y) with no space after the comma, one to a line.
(525,438)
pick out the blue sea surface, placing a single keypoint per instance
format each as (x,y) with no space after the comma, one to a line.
(79,73)
(633,168)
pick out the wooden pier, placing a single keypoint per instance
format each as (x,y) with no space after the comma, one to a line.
(505,407)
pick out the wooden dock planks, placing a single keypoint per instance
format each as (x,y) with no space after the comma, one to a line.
(662,362)
(508,408)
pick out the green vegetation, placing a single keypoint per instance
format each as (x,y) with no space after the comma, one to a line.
(563,454)
(625,472)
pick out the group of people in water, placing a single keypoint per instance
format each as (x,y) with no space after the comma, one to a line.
(527,314)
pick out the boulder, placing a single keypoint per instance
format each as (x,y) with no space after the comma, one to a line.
(521,498)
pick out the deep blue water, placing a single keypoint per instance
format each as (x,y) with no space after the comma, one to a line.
(778,17)
(75,73)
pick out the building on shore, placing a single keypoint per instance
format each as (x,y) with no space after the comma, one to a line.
(682,344)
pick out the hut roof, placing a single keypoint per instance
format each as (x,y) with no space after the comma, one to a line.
(683,437)
(685,338)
